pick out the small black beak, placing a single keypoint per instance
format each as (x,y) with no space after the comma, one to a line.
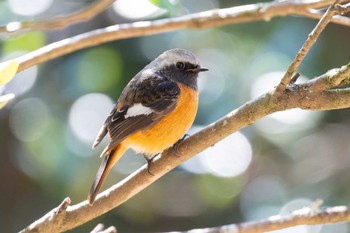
(197,69)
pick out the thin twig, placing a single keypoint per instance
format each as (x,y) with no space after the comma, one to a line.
(207,19)
(100,229)
(311,39)
(82,15)
(317,14)
(299,96)
(294,78)
(305,216)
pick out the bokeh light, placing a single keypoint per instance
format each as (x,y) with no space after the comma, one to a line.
(22,7)
(127,9)
(227,158)
(285,122)
(88,114)
(29,119)
(13,26)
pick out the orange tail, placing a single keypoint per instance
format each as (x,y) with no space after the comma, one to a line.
(107,164)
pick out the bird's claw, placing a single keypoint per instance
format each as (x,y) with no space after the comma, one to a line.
(149,163)
(174,148)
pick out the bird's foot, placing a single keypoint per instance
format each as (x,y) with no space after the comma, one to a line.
(174,148)
(149,163)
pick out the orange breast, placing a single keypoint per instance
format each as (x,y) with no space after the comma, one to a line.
(170,129)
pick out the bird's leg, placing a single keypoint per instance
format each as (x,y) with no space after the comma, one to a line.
(149,162)
(174,148)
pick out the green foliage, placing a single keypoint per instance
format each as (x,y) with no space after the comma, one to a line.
(26,42)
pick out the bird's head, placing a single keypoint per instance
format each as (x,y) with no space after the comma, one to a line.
(179,65)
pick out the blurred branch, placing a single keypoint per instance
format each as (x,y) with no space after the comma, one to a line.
(305,216)
(315,94)
(317,14)
(82,15)
(311,39)
(100,229)
(202,20)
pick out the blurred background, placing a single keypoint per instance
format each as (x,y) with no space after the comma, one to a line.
(282,162)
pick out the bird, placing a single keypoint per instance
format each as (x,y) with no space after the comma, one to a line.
(152,113)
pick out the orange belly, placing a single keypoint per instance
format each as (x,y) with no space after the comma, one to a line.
(170,129)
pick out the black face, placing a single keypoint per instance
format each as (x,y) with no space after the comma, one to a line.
(183,72)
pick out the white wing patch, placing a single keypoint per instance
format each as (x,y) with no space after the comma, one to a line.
(138,109)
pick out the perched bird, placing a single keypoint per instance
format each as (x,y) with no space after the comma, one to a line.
(153,112)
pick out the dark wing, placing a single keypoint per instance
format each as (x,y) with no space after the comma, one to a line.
(142,104)
(103,131)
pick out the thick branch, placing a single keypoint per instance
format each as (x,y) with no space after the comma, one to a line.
(298,96)
(207,19)
(305,216)
(60,22)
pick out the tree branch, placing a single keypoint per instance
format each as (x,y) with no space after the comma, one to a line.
(60,22)
(317,14)
(207,19)
(311,39)
(316,94)
(305,216)
(304,96)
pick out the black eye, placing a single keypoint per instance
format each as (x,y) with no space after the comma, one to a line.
(180,65)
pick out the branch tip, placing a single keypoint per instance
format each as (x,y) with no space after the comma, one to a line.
(63,206)
(294,78)
(343,9)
